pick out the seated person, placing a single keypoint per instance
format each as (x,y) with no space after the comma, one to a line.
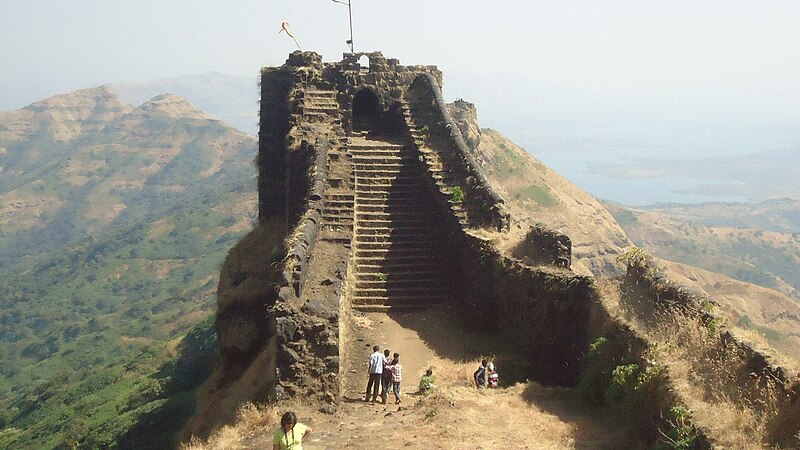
(426,385)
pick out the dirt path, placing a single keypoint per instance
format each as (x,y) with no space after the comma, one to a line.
(524,415)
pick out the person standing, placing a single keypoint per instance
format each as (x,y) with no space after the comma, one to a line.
(386,377)
(480,375)
(493,377)
(376,363)
(396,369)
(290,435)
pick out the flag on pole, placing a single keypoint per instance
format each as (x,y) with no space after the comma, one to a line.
(285,28)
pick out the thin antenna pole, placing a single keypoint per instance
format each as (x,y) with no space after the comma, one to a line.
(350,13)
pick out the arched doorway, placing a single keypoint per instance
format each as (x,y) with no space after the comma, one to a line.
(367,110)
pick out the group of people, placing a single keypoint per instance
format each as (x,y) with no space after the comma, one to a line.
(384,373)
(486,376)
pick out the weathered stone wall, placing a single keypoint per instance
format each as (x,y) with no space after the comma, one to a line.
(275,123)
(483,204)
(543,246)
(385,77)
(465,116)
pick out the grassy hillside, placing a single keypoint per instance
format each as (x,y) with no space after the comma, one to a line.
(113,224)
(763,257)
(537,194)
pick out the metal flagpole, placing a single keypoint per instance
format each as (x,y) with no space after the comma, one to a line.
(350,14)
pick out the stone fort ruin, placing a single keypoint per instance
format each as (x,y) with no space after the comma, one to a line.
(371,199)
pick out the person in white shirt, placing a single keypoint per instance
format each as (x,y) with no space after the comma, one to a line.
(376,363)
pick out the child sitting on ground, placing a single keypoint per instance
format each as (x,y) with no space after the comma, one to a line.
(426,385)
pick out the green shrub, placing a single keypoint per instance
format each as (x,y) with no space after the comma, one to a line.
(680,434)
(457,194)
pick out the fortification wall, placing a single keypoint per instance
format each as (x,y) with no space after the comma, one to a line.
(274,341)
(751,377)
(484,206)
(543,246)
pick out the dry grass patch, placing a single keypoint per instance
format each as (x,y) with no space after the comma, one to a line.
(709,376)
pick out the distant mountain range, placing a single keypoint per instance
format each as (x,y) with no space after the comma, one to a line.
(114,220)
(233,99)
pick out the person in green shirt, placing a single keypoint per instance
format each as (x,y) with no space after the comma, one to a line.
(290,435)
(426,385)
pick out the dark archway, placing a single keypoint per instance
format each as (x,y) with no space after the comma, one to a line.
(367,110)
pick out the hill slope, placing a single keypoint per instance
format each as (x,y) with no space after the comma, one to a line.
(736,242)
(114,221)
(537,194)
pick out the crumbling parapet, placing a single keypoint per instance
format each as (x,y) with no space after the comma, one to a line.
(543,246)
(483,205)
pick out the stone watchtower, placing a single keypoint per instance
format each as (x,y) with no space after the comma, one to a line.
(370,200)
(370,179)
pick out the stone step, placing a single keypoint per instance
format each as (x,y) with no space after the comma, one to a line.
(395,245)
(341,197)
(335,210)
(388,206)
(384,175)
(384,168)
(317,115)
(395,230)
(394,275)
(373,159)
(399,193)
(391,284)
(320,110)
(399,267)
(400,237)
(323,102)
(397,307)
(361,144)
(376,184)
(339,202)
(374,256)
(376,151)
(337,219)
(392,259)
(390,223)
(393,200)
(386,300)
(319,93)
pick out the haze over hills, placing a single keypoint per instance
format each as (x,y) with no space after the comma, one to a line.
(628,171)
(751,273)
(737,240)
(227,97)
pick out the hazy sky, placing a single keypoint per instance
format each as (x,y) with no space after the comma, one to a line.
(683,78)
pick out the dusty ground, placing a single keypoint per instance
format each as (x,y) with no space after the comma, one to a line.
(524,415)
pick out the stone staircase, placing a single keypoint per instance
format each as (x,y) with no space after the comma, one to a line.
(319,106)
(439,167)
(397,263)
